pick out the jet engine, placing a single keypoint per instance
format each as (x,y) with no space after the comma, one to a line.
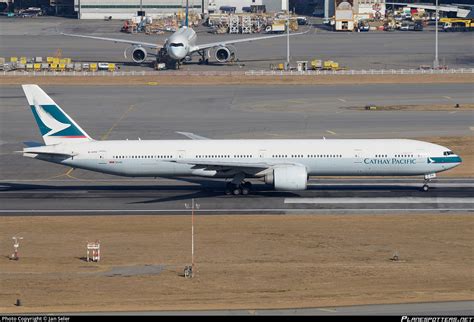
(288,178)
(224,54)
(138,54)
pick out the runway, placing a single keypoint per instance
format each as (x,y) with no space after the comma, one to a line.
(164,197)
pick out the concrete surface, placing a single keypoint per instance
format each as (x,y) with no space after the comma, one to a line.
(378,50)
(134,197)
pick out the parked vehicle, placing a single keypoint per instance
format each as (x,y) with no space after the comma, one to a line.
(275,28)
(103,66)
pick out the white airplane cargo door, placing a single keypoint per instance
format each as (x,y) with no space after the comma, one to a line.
(181,154)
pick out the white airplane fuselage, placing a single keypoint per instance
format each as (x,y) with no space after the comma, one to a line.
(180,44)
(167,158)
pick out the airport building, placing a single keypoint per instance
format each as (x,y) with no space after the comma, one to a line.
(239,6)
(126,9)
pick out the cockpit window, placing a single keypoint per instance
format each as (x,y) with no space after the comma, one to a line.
(448,153)
(177,45)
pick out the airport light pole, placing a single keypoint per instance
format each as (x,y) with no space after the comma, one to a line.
(288,35)
(193,206)
(141,10)
(436,61)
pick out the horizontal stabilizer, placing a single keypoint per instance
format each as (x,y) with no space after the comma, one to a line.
(32,144)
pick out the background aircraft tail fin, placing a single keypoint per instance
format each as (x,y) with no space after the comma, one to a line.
(54,124)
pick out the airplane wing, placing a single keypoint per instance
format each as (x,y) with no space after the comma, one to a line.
(122,41)
(235,41)
(252,167)
(193,136)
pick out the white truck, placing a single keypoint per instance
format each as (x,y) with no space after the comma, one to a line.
(275,29)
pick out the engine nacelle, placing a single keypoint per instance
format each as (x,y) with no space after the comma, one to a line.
(224,54)
(139,54)
(288,178)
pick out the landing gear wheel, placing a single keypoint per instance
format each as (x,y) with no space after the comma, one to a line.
(425,187)
(236,191)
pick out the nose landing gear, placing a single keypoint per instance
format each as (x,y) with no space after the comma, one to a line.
(427,180)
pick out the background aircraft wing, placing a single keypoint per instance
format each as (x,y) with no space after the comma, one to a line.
(122,41)
(193,136)
(235,41)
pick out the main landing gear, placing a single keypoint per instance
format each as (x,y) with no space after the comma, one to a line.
(238,189)
(238,186)
(204,57)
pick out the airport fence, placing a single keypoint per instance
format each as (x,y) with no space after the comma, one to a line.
(360,72)
(245,73)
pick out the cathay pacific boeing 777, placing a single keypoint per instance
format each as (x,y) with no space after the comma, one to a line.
(285,164)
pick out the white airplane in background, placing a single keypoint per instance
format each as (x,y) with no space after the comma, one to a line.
(181,46)
(285,164)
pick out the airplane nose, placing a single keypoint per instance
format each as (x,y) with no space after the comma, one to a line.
(177,53)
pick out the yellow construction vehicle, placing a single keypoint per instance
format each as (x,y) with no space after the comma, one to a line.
(457,24)
(330,65)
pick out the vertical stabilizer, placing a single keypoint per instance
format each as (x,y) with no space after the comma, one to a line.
(186,23)
(54,124)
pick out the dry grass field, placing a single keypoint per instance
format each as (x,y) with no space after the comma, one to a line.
(242,261)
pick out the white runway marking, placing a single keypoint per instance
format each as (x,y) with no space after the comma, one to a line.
(244,211)
(405,200)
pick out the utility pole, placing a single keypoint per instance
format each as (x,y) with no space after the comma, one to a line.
(193,206)
(288,35)
(186,23)
(436,61)
(141,10)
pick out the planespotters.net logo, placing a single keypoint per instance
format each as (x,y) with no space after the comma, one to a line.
(436,319)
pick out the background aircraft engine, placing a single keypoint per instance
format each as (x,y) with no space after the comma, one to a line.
(288,178)
(139,54)
(224,54)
